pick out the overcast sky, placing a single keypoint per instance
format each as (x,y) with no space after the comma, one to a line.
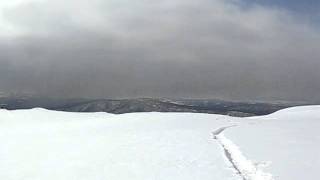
(232,49)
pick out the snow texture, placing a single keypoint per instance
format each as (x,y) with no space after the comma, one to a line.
(39,144)
(46,145)
(244,166)
(285,144)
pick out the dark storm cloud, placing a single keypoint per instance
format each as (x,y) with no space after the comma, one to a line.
(171,48)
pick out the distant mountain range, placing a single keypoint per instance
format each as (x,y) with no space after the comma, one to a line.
(120,106)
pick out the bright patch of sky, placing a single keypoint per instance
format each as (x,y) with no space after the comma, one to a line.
(308,9)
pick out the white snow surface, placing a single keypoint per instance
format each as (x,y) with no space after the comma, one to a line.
(246,168)
(45,145)
(285,144)
(39,144)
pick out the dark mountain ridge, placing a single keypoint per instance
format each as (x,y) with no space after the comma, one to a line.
(120,106)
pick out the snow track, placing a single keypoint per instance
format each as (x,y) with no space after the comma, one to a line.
(39,144)
(246,169)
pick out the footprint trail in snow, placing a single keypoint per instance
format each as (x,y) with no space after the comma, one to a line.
(246,168)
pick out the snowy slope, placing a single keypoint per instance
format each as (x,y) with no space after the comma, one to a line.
(287,142)
(46,145)
(39,144)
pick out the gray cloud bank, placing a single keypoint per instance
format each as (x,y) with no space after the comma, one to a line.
(170,48)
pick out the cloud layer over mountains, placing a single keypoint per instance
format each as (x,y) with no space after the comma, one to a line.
(169,48)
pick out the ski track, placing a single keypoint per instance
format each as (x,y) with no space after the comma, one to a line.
(243,166)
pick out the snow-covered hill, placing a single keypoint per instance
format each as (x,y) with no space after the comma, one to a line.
(39,144)
(288,142)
